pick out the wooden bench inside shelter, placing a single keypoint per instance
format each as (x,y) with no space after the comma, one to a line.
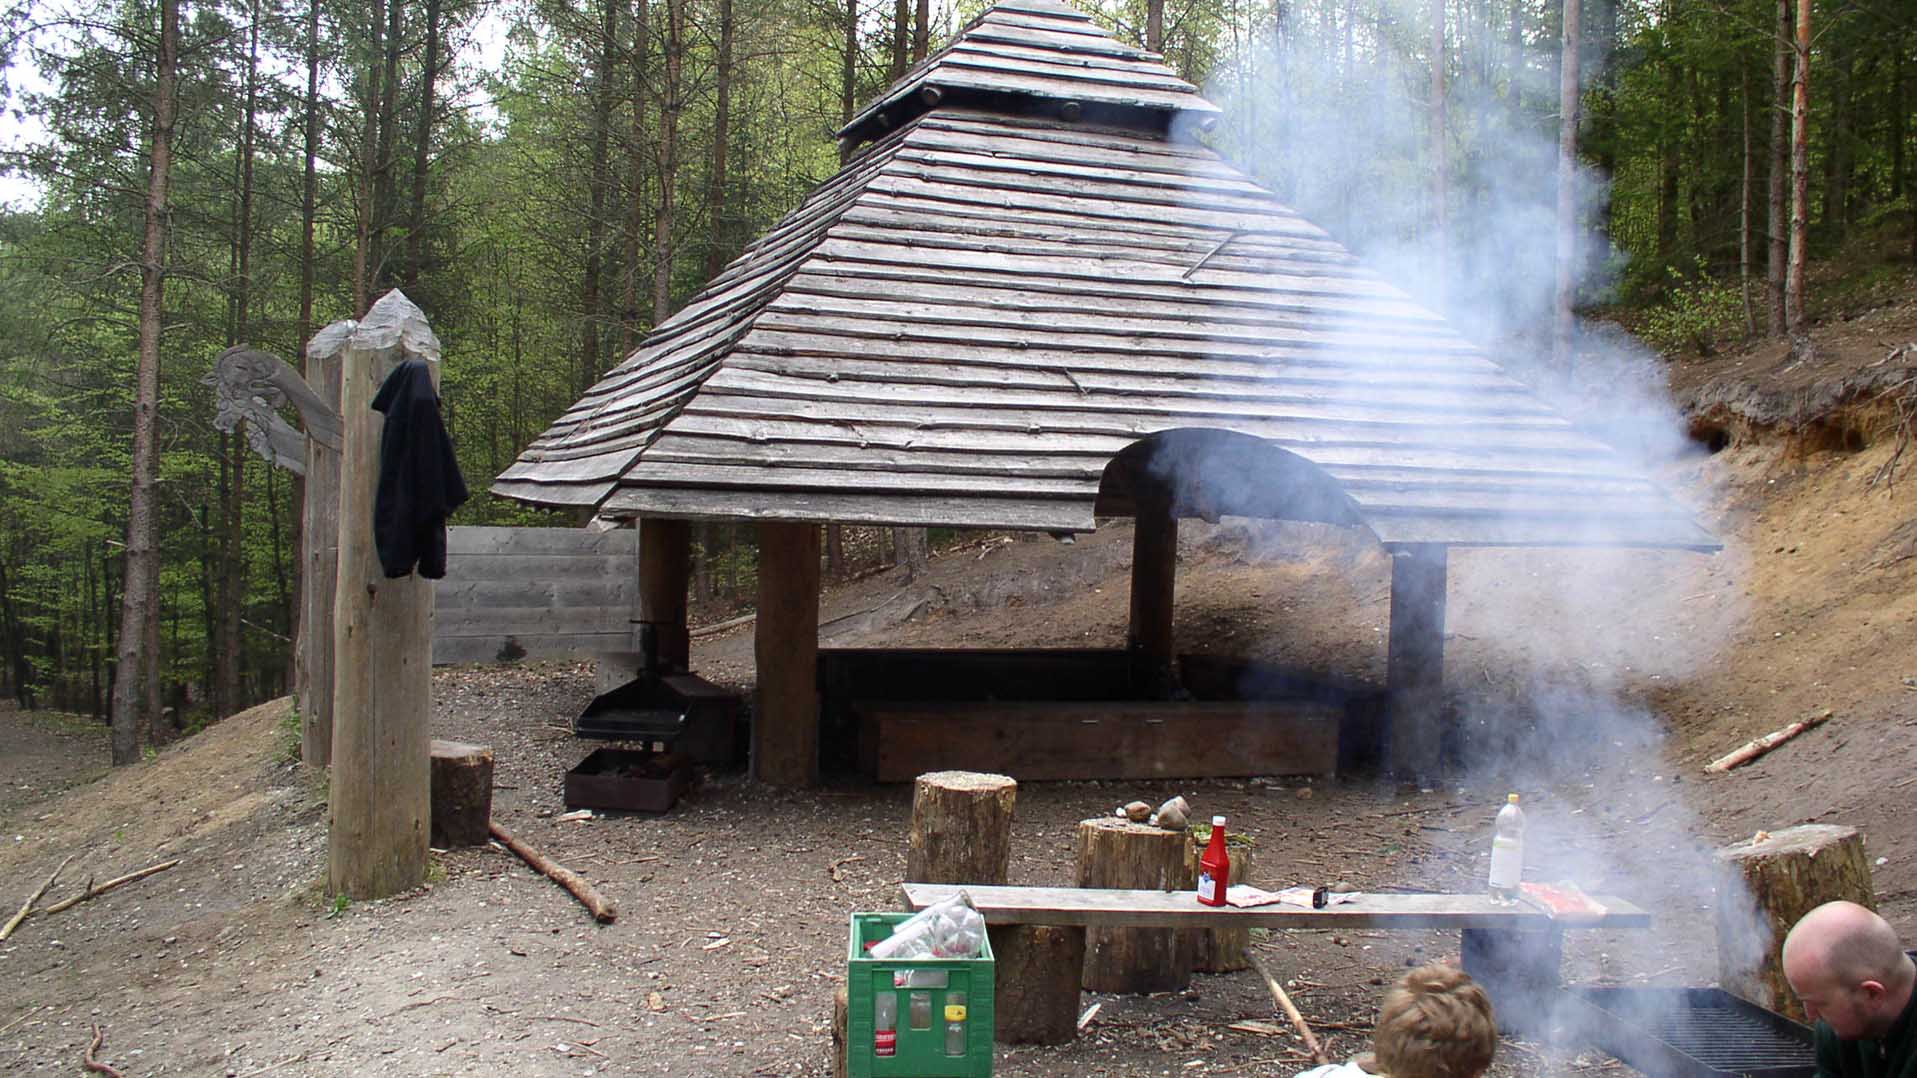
(1513,951)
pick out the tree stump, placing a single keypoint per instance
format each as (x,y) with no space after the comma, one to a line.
(462,794)
(841,1012)
(961,828)
(1765,887)
(1118,853)
(1037,974)
(1219,950)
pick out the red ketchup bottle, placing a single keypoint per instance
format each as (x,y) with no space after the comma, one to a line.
(1214,868)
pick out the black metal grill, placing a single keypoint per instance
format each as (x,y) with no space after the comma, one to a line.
(1691,1033)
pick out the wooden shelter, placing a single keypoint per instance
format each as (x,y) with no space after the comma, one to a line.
(1031,299)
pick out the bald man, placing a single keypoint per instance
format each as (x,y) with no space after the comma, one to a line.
(1846,965)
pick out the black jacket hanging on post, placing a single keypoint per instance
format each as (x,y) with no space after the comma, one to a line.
(419,480)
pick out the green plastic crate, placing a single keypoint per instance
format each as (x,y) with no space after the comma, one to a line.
(920,1052)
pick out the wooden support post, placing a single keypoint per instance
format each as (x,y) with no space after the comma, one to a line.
(1414,662)
(1765,885)
(319,555)
(1519,969)
(462,794)
(379,808)
(665,569)
(1118,853)
(1148,641)
(785,721)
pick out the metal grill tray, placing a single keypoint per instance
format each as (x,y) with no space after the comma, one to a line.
(1691,1033)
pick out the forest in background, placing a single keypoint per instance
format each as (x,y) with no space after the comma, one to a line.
(548,181)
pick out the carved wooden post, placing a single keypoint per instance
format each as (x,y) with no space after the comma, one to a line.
(785,721)
(319,554)
(382,641)
(1414,661)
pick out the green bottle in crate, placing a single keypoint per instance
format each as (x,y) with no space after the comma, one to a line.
(916,1018)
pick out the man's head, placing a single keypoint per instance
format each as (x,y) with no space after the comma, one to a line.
(1435,1023)
(1846,965)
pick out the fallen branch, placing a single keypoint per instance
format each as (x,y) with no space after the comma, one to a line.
(27,906)
(602,909)
(87,1062)
(1317,1050)
(8,1028)
(841,863)
(1753,749)
(96,890)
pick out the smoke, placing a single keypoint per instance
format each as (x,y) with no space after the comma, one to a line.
(1554,658)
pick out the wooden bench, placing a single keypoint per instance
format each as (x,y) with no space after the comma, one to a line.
(1513,951)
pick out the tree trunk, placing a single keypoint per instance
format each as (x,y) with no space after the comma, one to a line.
(913,547)
(1155,25)
(423,147)
(922,29)
(309,212)
(901,37)
(849,67)
(384,202)
(1037,975)
(1744,205)
(1118,853)
(1766,887)
(1569,99)
(591,314)
(1794,324)
(364,258)
(669,105)
(718,245)
(636,176)
(139,614)
(1777,226)
(835,550)
(1440,159)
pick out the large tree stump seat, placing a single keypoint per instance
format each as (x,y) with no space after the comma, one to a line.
(1513,951)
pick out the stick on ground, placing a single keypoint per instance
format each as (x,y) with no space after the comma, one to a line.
(1759,746)
(27,907)
(602,908)
(1284,1004)
(96,890)
(88,1063)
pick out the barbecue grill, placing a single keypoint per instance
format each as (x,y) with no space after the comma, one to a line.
(1690,1033)
(683,712)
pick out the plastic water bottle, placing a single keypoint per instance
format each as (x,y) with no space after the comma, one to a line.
(1507,853)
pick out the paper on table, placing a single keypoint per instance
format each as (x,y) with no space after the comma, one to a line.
(1243,895)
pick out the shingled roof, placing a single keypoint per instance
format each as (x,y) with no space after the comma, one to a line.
(1033,288)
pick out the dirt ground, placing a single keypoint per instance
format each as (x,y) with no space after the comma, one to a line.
(1595,685)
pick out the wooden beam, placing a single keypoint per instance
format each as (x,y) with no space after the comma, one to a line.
(665,569)
(382,643)
(1181,909)
(785,720)
(1414,663)
(319,555)
(1148,640)
(1104,739)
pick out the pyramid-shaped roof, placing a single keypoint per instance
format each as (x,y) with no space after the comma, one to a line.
(980,319)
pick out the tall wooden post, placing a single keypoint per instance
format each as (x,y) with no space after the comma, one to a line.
(319,553)
(1154,574)
(1414,661)
(665,563)
(785,721)
(382,641)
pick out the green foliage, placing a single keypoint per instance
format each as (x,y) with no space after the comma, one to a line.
(338,906)
(1698,313)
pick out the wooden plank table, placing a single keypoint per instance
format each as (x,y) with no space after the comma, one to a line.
(1513,951)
